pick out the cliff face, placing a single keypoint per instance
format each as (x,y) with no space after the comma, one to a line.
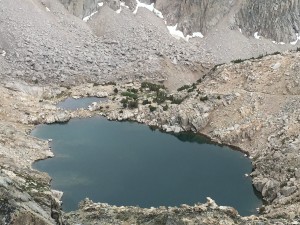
(81,8)
(276,19)
(194,15)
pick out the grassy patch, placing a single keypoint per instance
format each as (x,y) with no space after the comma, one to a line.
(130,95)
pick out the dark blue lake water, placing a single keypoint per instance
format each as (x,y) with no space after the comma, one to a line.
(126,163)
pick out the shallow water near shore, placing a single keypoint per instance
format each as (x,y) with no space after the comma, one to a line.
(126,163)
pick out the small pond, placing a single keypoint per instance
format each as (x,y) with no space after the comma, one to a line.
(73,103)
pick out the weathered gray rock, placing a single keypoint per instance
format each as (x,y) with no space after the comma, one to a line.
(194,16)
(277,19)
(271,189)
(287,191)
(81,8)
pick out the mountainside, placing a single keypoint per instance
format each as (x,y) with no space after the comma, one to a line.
(194,16)
(277,20)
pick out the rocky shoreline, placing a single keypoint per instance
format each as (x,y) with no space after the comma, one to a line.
(246,117)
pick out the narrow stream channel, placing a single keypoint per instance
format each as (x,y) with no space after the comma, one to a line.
(125,163)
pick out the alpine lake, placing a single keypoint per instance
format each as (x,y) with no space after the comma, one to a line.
(130,164)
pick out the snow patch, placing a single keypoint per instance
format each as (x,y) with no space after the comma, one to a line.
(119,10)
(3,53)
(278,43)
(178,34)
(198,34)
(85,19)
(123,4)
(149,7)
(47,9)
(256,36)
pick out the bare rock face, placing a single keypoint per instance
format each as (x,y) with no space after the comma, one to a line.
(81,8)
(194,15)
(277,19)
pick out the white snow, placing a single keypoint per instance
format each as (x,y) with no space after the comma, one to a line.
(119,10)
(149,7)
(3,53)
(198,34)
(295,42)
(85,19)
(47,9)
(178,34)
(123,4)
(278,43)
(256,36)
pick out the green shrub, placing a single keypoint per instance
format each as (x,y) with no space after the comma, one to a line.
(124,100)
(133,104)
(152,87)
(204,98)
(275,53)
(184,87)
(237,61)
(165,107)
(146,102)
(116,90)
(161,97)
(260,56)
(175,100)
(152,108)
(110,83)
